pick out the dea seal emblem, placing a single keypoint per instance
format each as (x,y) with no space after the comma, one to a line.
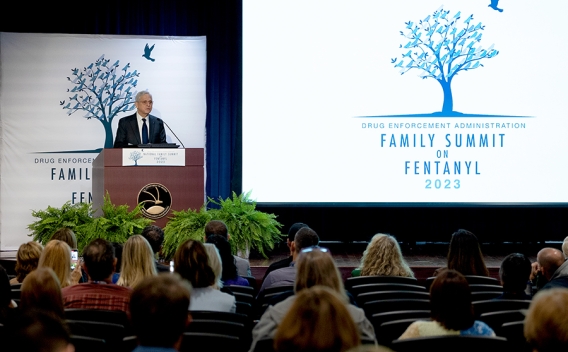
(156,200)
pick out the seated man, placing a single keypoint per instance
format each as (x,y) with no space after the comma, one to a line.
(99,292)
(286,261)
(553,267)
(155,236)
(305,238)
(514,273)
(158,312)
(216,227)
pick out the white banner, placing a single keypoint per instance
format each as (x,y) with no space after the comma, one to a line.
(61,97)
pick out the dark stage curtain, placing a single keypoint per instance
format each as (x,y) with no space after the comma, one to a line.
(220,21)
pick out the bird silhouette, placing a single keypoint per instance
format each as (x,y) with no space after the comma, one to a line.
(148,52)
(494,4)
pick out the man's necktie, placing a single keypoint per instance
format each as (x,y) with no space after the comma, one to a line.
(144,132)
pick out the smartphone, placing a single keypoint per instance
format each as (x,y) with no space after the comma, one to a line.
(74,258)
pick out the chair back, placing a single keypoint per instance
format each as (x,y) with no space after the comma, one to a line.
(219,316)
(484,295)
(380,279)
(359,289)
(496,319)
(497,305)
(514,333)
(112,334)
(451,344)
(486,288)
(391,330)
(88,344)
(382,295)
(241,289)
(201,341)
(380,318)
(391,305)
(481,280)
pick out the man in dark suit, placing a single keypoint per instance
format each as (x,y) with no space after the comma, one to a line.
(141,127)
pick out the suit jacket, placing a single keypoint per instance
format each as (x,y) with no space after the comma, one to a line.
(128,133)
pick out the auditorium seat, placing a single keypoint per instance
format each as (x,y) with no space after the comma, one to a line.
(481,307)
(451,344)
(200,341)
(514,333)
(391,305)
(391,330)
(486,288)
(379,279)
(382,295)
(380,318)
(112,334)
(357,290)
(88,344)
(481,280)
(484,295)
(496,319)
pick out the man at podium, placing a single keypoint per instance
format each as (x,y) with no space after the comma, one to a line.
(141,127)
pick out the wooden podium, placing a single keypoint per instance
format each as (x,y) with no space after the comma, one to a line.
(125,183)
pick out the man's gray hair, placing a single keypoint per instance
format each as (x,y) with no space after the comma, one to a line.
(141,93)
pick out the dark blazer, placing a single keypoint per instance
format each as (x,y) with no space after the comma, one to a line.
(128,133)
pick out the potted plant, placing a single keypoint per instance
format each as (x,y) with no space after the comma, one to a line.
(115,225)
(184,225)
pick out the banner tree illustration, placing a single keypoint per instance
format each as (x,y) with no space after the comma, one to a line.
(101,91)
(440,46)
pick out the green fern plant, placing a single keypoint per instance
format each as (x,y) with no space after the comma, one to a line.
(115,225)
(52,219)
(184,225)
(249,228)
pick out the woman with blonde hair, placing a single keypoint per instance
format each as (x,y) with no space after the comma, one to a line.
(318,320)
(27,260)
(57,256)
(41,291)
(137,262)
(214,260)
(383,257)
(315,267)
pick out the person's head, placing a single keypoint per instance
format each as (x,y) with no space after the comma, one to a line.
(99,260)
(294,229)
(228,261)
(318,320)
(57,256)
(384,257)
(514,272)
(546,322)
(155,236)
(144,103)
(465,254)
(216,227)
(27,259)
(159,310)
(66,235)
(38,331)
(315,266)
(41,290)
(214,261)
(118,255)
(137,261)
(549,260)
(191,263)
(305,237)
(450,300)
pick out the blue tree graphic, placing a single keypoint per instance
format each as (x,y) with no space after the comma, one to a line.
(102,91)
(441,47)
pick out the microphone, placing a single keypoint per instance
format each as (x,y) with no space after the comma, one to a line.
(180,142)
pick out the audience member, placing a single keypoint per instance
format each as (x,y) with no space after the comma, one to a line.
(229,274)
(546,322)
(137,262)
(514,273)
(37,331)
(7,305)
(99,292)
(465,255)
(118,255)
(57,256)
(66,235)
(214,261)
(191,263)
(216,227)
(27,260)
(553,267)
(451,310)
(41,290)
(155,236)
(315,268)
(284,263)
(383,257)
(158,312)
(317,320)
(305,237)
(565,247)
